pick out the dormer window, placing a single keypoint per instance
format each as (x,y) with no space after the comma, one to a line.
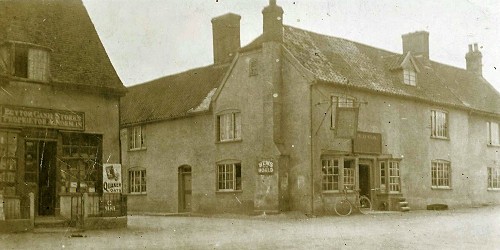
(410,77)
(26,61)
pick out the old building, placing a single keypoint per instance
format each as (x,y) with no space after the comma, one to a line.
(59,99)
(294,118)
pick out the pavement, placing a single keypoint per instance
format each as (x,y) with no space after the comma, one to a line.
(469,228)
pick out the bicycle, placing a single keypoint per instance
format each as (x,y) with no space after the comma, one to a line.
(343,207)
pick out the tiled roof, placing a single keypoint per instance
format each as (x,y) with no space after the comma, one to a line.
(171,96)
(343,62)
(78,56)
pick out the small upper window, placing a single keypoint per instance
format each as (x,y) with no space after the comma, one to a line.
(410,77)
(30,62)
(493,133)
(229,127)
(439,124)
(136,138)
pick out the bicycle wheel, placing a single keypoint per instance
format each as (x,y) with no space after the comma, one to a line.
(365,205)
(343,207)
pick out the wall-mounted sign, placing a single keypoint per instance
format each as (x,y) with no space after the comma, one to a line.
(112,178)
(41,118)
(265,167)
(367,143)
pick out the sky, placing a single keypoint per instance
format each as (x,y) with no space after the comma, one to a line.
(148,39)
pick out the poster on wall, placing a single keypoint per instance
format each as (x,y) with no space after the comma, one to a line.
(112,179)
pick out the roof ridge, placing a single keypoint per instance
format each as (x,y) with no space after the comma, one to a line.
(341,38)
(172,75)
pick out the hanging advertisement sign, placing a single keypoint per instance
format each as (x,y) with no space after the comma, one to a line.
(112,179)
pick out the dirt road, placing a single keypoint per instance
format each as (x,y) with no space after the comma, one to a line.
(474,228)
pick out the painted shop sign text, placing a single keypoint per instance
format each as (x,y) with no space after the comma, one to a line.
(44,118)
(368,143)
(265,167)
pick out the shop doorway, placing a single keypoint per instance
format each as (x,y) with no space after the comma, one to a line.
(364,179)
(185,189)
(46,177)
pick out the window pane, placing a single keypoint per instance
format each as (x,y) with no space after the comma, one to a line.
(237,129)
(494,134)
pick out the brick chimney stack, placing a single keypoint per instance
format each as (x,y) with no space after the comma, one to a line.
(226,37)
(417,43)
(273,22)
(474,60)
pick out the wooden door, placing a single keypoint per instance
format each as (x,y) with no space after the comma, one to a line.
(185,189)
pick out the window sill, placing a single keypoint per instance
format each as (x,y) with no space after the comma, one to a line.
(493,145)
(136,194)
(441,188)
(137,149)
(494,189)
(26,79)
(331,192)
(228,141)
(440,138)
(228,191)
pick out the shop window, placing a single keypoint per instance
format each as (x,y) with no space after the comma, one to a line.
(493,178)
(493,134)
(338,174)
(229,177)
(8,162)
(439,124)
(330,172)
(383,176)
(253,67)
(229,127)
(441,174)
(137,181)
(30,62)
(394,177)
(137,138)
(410,77)
(349,170)
(81,164)
(390,176)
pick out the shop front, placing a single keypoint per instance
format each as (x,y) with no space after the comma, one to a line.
(51,167)
(366,169)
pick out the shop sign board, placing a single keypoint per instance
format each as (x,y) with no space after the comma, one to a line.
(41,118)
(112,180)
(265,167)
(367,143)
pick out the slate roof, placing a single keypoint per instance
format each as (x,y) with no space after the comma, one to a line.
(172,96)
(78,56)
(343,62)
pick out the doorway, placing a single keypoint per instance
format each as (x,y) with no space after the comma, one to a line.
(185,189)
(46,177)
(364,180)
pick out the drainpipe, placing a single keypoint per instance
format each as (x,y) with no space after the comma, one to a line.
(311,144)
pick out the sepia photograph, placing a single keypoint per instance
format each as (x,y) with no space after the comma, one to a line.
(249,124)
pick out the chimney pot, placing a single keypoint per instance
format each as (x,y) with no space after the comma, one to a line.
(474,60)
